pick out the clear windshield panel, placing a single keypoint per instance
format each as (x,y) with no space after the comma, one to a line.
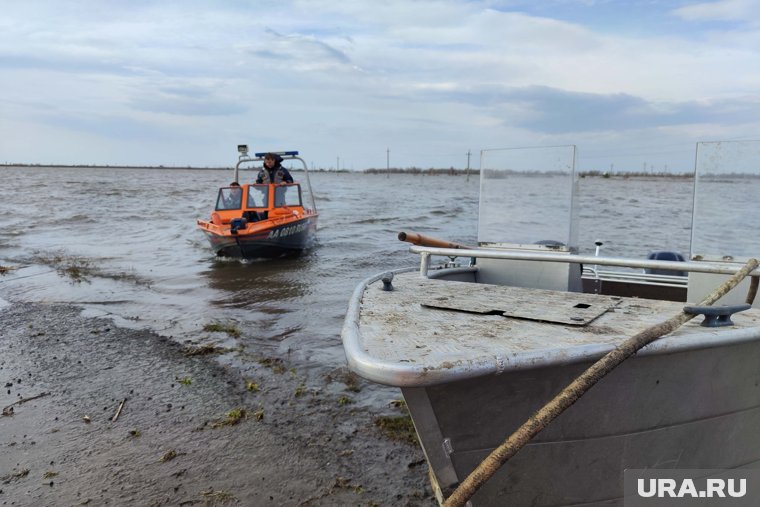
(258,196)
(229,198)
(726,197)
(528,196)
(287,195)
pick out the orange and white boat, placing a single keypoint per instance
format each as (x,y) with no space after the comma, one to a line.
(262,220)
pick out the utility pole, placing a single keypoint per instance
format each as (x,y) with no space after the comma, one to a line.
(337,164)
(388,162)
(468,165)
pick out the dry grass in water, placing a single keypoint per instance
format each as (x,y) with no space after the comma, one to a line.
(168,456)
(204,350)
(232,418)
(218,327)
(275,364)
(398,428)
(212,497)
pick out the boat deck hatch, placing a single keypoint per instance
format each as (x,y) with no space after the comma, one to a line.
(570,308)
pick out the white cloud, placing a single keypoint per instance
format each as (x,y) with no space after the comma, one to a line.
(723,10)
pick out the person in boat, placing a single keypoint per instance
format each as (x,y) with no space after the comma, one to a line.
(273,172)
(234,198)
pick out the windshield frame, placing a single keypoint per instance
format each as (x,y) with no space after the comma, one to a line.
(262,193)
(227,199)
(285,199)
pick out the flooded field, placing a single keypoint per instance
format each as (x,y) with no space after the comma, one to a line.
(122,243)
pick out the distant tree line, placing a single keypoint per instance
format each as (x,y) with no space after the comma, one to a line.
(432,171)
(418,170)
(632,174)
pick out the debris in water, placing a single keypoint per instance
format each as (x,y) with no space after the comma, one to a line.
(168,456)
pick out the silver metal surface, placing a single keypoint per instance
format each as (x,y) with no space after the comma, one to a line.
(400,343)
(573,309)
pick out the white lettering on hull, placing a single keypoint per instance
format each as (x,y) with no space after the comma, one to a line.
(288,231)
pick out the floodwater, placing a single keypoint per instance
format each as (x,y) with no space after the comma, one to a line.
(123,244)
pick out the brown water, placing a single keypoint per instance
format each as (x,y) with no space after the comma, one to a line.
(123,244)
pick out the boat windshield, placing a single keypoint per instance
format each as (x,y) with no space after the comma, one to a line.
(726,193)
(287,195)
(528,196)
(229,198)
(258,196)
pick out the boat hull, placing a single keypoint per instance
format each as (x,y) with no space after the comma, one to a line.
(695,409)
(280,240)
(470,378)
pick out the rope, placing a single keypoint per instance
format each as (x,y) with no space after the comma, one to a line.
(752,292)
(538,421)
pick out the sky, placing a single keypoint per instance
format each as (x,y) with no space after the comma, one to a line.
(365,84)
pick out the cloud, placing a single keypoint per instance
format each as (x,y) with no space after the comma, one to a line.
(553,111)
(723,10)
(189,100)
(422,78)
(547,110)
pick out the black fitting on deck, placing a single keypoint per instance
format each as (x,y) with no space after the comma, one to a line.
(387,279)
(716,316)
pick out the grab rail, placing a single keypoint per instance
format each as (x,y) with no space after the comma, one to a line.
(727,268)
(636,277)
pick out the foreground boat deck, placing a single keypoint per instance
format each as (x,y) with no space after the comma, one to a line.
(427,331)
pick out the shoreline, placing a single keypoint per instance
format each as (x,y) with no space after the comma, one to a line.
(103,415)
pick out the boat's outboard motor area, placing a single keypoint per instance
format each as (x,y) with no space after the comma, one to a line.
(665,255)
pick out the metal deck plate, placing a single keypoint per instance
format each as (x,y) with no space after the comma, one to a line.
(572,308)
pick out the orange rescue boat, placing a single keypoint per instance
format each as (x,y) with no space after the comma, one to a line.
(262,220)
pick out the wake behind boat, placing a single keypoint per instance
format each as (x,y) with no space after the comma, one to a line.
(477,349)
(255,220)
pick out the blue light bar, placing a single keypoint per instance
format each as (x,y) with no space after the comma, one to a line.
(285,153)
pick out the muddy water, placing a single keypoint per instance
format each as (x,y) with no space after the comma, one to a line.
(122,243)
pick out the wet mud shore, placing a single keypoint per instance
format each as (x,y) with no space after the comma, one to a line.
(99,415)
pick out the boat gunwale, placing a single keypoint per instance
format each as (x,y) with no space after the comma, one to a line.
(405,374)
(251,228)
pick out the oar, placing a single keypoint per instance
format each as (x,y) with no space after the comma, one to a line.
(422,240)
(578,387)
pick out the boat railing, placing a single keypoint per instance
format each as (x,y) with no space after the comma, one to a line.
(244,158)
(259,157)
(722,268)
(594,273)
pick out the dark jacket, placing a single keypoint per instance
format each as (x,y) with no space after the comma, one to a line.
(277,174)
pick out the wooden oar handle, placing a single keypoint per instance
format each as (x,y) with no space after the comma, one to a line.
(422,240)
